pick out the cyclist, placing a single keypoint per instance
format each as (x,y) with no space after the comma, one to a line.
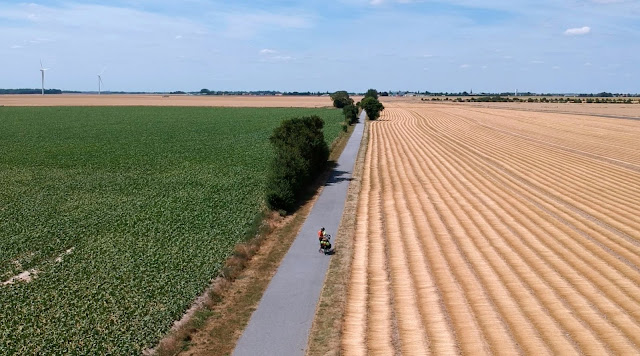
(321,234)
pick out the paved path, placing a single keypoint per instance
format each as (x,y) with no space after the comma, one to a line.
(281,324)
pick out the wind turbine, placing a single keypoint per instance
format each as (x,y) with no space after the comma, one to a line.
(42,69)
(100,80)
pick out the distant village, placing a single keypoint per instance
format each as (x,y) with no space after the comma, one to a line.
(422,94)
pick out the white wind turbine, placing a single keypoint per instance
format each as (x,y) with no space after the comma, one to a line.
(100,81)
(42,69)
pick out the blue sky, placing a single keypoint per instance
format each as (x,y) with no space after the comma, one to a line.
(457,45)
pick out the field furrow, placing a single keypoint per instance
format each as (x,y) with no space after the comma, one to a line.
(412,337)
(412,227)
(500,145)
(380,331)
(501,278)
(592,135)
(614,314)
(626,248)
(504,235)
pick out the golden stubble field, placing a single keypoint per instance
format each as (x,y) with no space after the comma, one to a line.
(608,109)
(487,231)
(165,100)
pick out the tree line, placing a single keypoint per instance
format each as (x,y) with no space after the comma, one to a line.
(544,99)
(29,91)
(259,92)
(369,103)
(301,153)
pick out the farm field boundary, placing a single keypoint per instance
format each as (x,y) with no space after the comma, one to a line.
(284,316)
(228,318)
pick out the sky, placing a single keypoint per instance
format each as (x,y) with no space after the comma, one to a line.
(550,46)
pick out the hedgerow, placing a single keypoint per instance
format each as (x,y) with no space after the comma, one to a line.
(301,152)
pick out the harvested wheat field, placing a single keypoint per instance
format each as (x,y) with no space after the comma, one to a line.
(601,109)
(486,231)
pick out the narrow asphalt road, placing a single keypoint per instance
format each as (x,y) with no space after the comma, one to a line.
(281,323)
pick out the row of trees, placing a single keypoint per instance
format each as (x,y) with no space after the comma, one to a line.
(29,91)
(369,103)
(301,152)
(206,91)
(495,99)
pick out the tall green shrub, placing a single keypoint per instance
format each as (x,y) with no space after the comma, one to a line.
(371,93)
(372,106)
(350,114)
(300,154)
(341,99)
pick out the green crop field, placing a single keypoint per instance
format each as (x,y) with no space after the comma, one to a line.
(123,214)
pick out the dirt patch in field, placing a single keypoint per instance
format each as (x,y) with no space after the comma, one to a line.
(29,275)
(165,100)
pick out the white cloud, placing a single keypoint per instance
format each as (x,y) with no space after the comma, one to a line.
(282,58)
(577,31)
(464,66)
(537,62)
(271,55)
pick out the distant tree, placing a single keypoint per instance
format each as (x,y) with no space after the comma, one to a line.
(371,93)
(205,91)
(372,106)
(350,114)
(341,99)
